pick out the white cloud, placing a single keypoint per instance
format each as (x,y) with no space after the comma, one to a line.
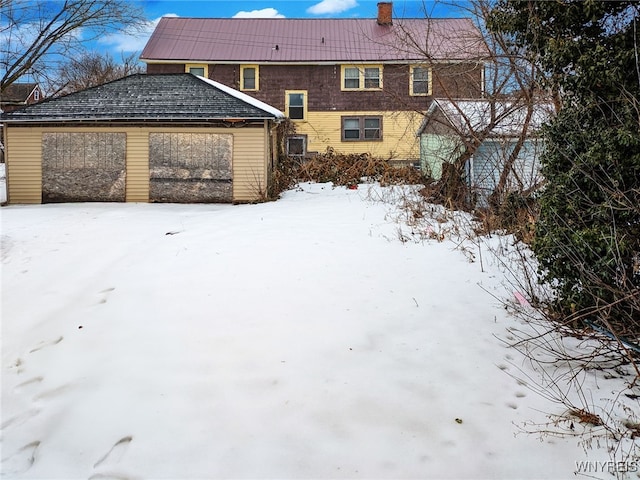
(132,41)
(331,6)
(264,13)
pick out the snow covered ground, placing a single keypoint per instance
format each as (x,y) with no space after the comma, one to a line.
(3,183)
(293,339)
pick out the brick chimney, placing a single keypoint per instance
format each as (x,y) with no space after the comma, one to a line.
(385,15)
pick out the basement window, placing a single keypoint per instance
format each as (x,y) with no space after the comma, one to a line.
(297,145)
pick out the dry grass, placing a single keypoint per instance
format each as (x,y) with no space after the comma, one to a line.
(342,169)
(351,169)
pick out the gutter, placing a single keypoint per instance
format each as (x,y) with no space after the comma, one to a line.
(134,120)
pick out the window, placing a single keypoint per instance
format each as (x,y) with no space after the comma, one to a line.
(361,129)
(36,94)
(297,145)
(351,78)
(197,69)
(371,78)
(420,81)
(249,77)
(296,104)
(367,77)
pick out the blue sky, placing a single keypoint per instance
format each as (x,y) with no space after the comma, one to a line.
(155,9)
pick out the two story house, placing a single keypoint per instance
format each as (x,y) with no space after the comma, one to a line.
(356,85)
(18,95)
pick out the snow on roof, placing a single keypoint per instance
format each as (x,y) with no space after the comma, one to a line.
(476,115)
(148,97)
(244,97)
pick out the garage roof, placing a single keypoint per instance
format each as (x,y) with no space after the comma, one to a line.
(141,97)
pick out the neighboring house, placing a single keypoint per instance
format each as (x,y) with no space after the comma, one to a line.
(356,85)
(18,95)
(158,138)
(449,127)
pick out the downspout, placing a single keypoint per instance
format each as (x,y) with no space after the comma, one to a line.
(5,158)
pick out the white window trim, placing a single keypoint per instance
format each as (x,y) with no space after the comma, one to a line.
(304,145)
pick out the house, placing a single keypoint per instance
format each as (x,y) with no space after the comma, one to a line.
(489,130)
(142,138)
(18,95)
(356,85)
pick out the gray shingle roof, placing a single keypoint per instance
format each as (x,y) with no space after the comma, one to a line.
(142,97)
(263,40)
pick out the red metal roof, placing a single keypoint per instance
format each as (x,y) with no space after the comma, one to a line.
(266,40)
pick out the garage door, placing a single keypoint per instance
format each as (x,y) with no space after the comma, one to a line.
(83,167)
(190,167)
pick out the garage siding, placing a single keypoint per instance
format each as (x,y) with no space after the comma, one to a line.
(24,165)
(137,165)
(24,160)
(250,164)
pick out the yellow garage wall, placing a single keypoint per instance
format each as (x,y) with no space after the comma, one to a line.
(24,166)
(399,141)
(24,160)
(137,189)
(250,160)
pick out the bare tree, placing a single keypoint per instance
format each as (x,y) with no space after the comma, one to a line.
(92,69)
(508,108)
(36,34)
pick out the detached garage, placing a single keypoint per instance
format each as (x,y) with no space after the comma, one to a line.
(143,138)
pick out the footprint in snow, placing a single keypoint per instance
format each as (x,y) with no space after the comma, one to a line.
(45,344)
(27,383)
(54,392)
(115,454)
(20,419)
(109,476)
(20,461)
(105,294)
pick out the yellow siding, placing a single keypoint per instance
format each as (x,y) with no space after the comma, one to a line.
(399,141)
(249,164)
(24,160)
(24,165)
(137,165)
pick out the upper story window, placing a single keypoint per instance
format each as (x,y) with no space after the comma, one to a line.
(36,94)
(201,69)
(296,104)
(363,77)
(249,77)
(420,80)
